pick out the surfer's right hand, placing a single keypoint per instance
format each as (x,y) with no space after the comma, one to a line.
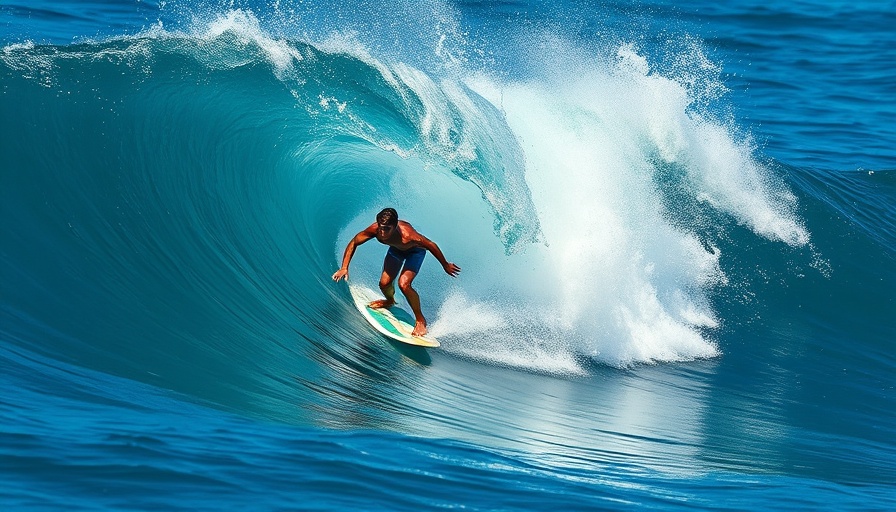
(340,274)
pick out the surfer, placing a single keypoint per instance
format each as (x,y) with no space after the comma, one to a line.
(406,247)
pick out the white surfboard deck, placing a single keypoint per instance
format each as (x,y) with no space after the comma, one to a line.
(393,322)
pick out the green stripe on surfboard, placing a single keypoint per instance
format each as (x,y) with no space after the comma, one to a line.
(383,320)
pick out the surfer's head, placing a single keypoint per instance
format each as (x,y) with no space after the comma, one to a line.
(387,217)
(386,222)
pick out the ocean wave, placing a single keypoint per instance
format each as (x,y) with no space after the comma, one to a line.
(210,178)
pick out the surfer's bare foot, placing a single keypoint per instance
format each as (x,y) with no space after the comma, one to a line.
(419,328)
(382,303)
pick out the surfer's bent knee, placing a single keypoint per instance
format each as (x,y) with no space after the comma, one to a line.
(405,284)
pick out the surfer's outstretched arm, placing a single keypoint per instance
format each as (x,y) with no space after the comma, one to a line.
(450,268)
(357,240)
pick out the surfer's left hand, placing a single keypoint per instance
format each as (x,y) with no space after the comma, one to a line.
(451,269)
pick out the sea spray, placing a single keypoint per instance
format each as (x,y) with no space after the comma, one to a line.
(617,279)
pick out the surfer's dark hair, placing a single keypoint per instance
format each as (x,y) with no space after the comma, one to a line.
(387,217)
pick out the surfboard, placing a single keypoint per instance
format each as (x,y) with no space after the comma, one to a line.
(394,322)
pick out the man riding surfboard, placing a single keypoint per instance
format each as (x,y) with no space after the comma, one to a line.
(407,247)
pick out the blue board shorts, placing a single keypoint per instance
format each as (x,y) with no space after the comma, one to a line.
(412,258)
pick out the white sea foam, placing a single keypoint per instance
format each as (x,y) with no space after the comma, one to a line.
(616,280)
(247,29)
(490,332)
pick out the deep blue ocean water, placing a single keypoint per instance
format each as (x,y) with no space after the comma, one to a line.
(676,220)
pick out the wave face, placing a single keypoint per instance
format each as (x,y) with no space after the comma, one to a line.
(174,203)
(229,153)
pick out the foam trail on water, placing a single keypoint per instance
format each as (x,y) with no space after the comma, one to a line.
(491,334)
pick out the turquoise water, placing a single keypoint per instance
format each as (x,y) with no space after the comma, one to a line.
(676,223)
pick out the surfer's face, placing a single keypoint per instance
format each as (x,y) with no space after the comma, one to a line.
(385,231)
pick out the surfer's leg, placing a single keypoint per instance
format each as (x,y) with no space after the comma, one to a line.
(405,284)
(391,266)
